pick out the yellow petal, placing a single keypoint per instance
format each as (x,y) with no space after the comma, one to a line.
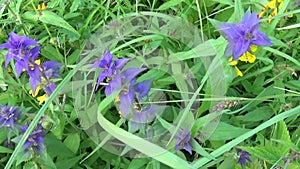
(232,63)
(253,48)
(271,4)
(44,6)
(238,72)
(42,98)
(243,58)
(260,15)
(38,62)
(275,12)
(250,57)
(38,88)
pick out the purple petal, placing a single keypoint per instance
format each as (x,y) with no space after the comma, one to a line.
(261,39)
(119,64)
(250,19)
(242,46)
(231,31)
(50,88)
(126,104)
(19,66)
(130,73)
(143,88)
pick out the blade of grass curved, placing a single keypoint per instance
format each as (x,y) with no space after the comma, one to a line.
(142,145)
(199,163)
(40,113)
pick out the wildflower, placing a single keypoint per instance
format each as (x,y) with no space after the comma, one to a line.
(19,47)
(247,57)
(241,36)
(122,80)
(9,115)
(42,7)
(35,141)
(109,68)
(49,71)
(243,157)
(135,92)
(183,141)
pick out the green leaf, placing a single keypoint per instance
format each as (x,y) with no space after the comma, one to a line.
(226,131)
(2,83)
(51,18)
(5,150)
(72,142)
(69,163)
(268,153)
(75,5)
(258,114)
(281,133)
(51,53)
(137,163)
(30,16)
(169,4)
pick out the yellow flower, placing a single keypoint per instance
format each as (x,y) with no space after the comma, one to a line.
(274,6)
(238,72)
(42,7)
(248,57)
(41,99)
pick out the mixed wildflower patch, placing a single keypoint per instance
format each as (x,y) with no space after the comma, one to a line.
(175,84)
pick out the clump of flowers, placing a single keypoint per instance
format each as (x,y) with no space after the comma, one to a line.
(183,141)
(25,52)
(243,157)
(9,116)
(131,92)
(35,141)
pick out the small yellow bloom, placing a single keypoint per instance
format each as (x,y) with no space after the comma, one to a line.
(248,57)
(232,63)
(238,72)
(120,113)
(38,88)
(42,99)
(42,7)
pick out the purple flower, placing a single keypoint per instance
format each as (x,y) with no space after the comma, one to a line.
(122,80)
(35,141)
(144,115)
(18,47)
(108,67)
(50,69)
(183,141)
(34,76)
(130,96)
(9,116)
(243,157)
(241,36)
